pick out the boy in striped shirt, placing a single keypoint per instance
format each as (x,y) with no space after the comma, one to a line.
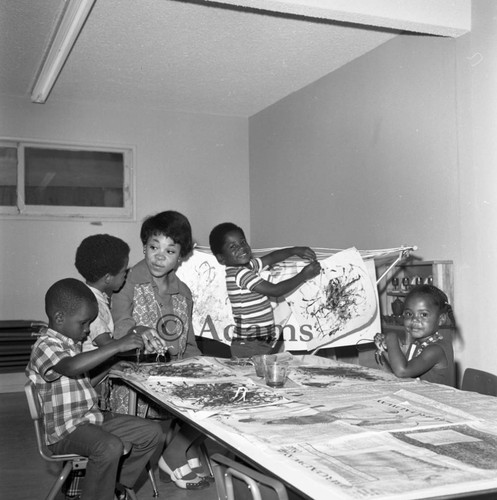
(248,293)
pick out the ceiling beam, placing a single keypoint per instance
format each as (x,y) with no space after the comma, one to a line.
(434,17)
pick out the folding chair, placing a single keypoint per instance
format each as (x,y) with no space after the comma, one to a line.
(235,481)
(70,461)
(479,381)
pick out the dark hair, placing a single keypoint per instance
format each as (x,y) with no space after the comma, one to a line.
(439,298)
(171,224)
(218,235)
(100,254)
(67,295)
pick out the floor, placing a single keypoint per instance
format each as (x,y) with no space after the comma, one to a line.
(24,475)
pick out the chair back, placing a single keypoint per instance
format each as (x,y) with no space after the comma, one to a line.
(479,381)
(235,481)
(37,417)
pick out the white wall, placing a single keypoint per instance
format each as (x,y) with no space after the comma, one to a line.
(398,147)
(195,164)
(477,121)
(366,156)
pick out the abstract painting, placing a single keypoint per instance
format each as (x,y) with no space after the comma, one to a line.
(212,316)
(338,307)
(341,300)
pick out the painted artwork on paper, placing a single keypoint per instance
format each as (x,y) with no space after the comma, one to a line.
(212,316)
(214,397)
(338,307)
(341,300)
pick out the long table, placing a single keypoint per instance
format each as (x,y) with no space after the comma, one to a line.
(336,430)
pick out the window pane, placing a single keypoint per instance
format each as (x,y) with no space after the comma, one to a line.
(8,176)
(77,178)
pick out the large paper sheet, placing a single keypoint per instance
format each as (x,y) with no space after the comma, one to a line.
(206,278)
(339,307)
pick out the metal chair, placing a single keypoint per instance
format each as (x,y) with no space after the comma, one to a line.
(235,481)
(70,461)
(479,381)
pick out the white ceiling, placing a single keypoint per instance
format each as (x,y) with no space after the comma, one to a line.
(201,56)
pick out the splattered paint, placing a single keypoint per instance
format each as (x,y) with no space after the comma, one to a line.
(221,396)
(338,307)
(205,277)
(340,300)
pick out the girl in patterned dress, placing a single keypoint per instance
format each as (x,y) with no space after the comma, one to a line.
(428,353)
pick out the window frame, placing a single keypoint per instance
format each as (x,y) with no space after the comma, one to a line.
(23,211)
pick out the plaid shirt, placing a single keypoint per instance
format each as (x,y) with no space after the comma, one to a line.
(66,401)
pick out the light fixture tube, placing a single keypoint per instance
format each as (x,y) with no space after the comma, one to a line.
(73,17)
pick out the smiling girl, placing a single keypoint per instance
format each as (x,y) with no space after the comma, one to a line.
(428,354)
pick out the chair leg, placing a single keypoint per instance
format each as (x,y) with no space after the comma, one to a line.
(130,494)
(57,486)
(152,481)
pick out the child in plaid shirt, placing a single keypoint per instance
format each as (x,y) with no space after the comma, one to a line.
(72,420)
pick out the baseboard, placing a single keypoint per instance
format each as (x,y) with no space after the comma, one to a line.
(12,382)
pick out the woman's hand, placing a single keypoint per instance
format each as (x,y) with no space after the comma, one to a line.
(152,343)
(124,365)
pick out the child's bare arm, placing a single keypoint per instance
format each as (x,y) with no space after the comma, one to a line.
(403,368)
(286,286)
(285,253)
(72,366)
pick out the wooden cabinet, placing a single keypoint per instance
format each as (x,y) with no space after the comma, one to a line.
(438,272)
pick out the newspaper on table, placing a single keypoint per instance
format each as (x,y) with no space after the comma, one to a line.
(370,444)
(356,432)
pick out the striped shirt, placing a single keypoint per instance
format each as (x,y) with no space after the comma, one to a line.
(66,401)
(252,311)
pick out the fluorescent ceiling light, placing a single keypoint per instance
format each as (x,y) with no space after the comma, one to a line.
(73,17)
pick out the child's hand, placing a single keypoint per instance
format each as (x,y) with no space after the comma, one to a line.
(379,340)
(305,253)
(311,270)
(132,340)
(381,348)
(123,365)
(152,343)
